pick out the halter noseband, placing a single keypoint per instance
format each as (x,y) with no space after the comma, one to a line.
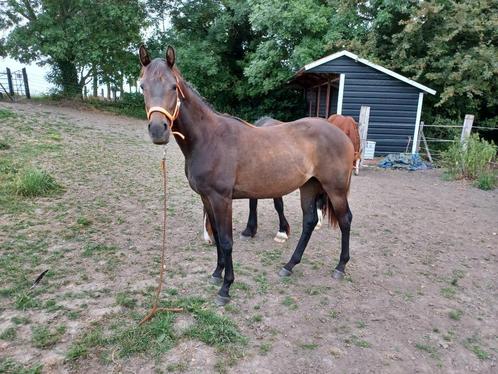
(176,111)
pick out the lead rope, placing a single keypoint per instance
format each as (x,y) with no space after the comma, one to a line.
(155,309)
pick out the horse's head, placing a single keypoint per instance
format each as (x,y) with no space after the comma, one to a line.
(159,83)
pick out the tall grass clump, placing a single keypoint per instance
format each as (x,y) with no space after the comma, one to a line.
(471,160)
(35,182)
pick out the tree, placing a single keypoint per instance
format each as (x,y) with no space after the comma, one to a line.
(74,37)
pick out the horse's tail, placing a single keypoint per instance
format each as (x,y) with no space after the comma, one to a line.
(328,207)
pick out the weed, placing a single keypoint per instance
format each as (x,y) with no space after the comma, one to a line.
(43,337)
(264,348)
(24,300)
(309,346)
(8,334)
(455,315)
(123,299)
(473,345)
(358,342)
(361,324)
(425,347)
(448,292)
(83,221)
(290,303)
(35,182)
(486,181)
(9,366)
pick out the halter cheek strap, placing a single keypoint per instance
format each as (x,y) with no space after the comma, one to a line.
(176,112)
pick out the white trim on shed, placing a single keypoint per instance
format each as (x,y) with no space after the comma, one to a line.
(340,95)
(372,65)
(417,122)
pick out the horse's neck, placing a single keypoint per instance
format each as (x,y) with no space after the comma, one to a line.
(196,121)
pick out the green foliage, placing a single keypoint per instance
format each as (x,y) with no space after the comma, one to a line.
(214,329)
(8,334)
(35,182)
(486,181)
(77,38)
(471,159)
(6,113)
(9,366)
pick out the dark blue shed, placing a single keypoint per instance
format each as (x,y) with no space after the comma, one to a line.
(343,82)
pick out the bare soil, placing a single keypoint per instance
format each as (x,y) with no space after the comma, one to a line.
(420,294)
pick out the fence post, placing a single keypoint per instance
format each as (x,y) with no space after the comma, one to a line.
(9,80)
(467,128)
(364,118)
(85,92)
(419,137)
(26,84)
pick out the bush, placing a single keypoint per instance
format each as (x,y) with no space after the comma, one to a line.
(486,181)
(471,160)
(35,182)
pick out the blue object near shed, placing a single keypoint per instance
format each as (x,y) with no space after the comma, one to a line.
(343,82)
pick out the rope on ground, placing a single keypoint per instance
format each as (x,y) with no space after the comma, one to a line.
(155,308)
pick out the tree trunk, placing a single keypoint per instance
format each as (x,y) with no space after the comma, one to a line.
(95,82)
(67,77)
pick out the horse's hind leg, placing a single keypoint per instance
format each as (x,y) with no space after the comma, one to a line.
(252,222)
(344,218)
(284,228)
(309,194)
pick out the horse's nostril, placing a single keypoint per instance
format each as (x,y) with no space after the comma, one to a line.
(149,126)
(165,126)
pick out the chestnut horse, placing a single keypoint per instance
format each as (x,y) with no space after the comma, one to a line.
(349,126)
(227,158)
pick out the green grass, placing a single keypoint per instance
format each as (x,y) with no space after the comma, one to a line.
(125,300)
(290,303)
(9,366)
(486,181)
(448,292)
(473,345)
(264,348)
(4,145)
(25,300)
(6,113)
(34,182)
(428,348)
(361,343)
(43,337)
(309,346)
(455,315)
(83,221)
(8,334)
(92,249)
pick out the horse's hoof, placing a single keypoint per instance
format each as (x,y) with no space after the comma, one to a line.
(337,274)
(284,272)
(221,300)
(281,237)
(217,281)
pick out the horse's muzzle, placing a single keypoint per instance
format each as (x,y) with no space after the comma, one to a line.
(159,132)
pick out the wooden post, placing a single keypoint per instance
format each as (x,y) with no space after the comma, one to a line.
(420,132)
(427,148)
(85,93)
(9,80)
(467,128)
(95,83)
(364,118)
(327,106)
(26,84)
(102,92)
(318,102)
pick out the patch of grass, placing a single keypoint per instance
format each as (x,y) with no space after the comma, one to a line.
(33,182)
(473,345)
(361,343)
(43,337)
(271,257)
(8,334)
(9,366)
(264,348)
(257,318)
(333,314)
(448,292)
(91,249)
(262,283)
(290,303)
(455,315)
(25,300)
(361,324)
(309,346)
(178,367)
(426,347)
(73,314)
(81,348)
(486,181)
(20,320)
(51,306)
(4,145)
(83,221)
(214,329)
(6,113)
(125,300)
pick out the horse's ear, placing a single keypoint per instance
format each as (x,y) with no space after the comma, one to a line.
(170,56)
(144,56)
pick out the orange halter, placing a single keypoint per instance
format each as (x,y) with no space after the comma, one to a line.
(176,111)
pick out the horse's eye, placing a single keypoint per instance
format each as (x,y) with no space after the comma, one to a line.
(174,87)
(142,87)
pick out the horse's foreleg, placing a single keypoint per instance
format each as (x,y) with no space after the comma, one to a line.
(252,222)
(222,211)
(283,228)
(309,193)
(216,277)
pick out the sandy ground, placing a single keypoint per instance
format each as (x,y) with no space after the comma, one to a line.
(420,294)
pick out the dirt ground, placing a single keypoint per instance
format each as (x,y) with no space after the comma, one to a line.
(420,294)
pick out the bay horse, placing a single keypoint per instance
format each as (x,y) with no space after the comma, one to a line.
(349,126)
(226,158)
